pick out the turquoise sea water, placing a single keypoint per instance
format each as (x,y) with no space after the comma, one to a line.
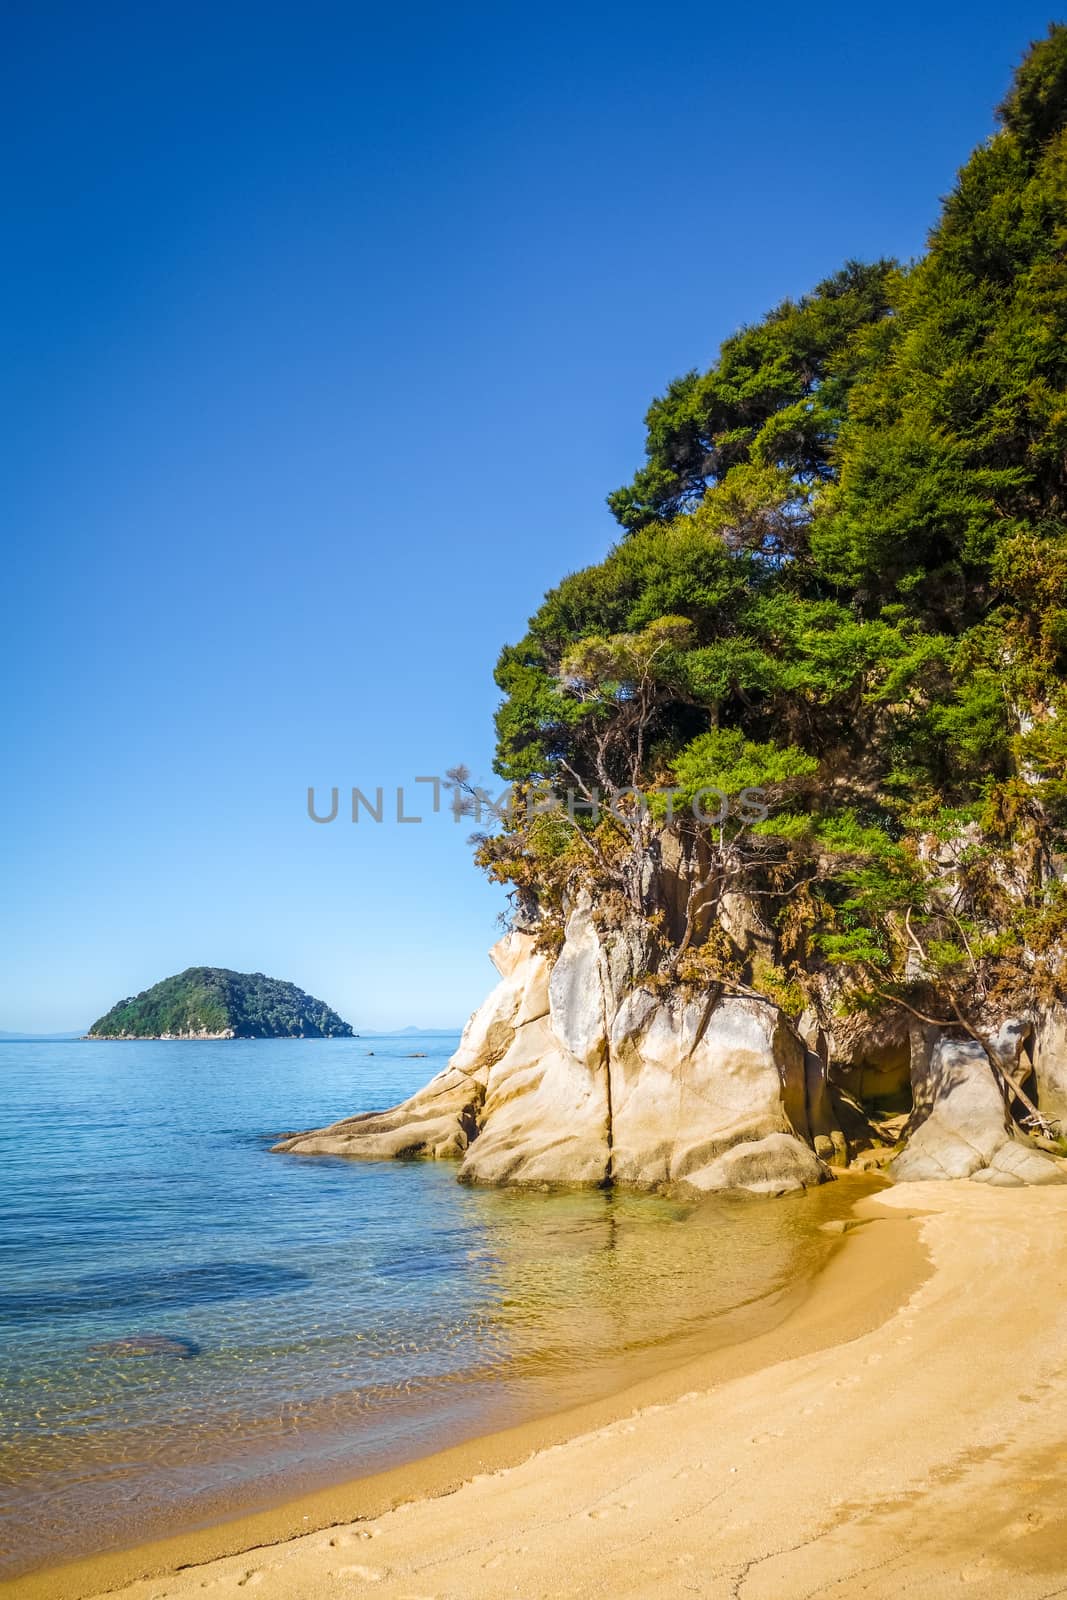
(328,1318)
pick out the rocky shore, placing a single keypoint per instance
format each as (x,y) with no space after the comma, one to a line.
(580,1070)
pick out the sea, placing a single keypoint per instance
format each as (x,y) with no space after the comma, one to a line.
(192,1326)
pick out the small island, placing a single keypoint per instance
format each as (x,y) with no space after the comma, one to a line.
(215,1003)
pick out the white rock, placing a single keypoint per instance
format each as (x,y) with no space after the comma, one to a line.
(967,1130)
(1049,1048)
(544,1119)
(582,1075)
(442,1118)
(690,1079)
(577,1002)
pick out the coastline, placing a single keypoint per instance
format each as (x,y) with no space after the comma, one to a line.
(877,1263)
(900,1433)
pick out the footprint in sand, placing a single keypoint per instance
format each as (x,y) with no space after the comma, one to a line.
(600,1512)
(367,1574)
(1024,1526)
(253,1575)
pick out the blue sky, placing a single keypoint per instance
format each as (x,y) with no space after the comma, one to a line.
(327,329)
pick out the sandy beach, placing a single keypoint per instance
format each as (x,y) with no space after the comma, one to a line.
(904,1432)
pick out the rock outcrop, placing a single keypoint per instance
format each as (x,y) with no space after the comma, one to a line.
(709,1093)
(962,1127)
(585,1070)
(1047,1049)
(579,1072)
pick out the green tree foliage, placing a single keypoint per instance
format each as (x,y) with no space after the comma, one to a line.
(216,1000)
(776,397)
(844,567)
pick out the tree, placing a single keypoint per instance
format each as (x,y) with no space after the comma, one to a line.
(843,572)
(775,398)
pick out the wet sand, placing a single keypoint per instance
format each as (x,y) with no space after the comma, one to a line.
(302,1548)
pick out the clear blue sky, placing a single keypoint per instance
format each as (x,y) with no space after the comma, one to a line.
(327,328)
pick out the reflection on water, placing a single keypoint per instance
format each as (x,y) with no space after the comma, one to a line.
(334,1317)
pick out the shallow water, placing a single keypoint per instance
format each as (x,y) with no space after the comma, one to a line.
(306,1320)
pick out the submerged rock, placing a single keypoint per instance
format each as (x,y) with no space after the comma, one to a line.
(147,1344)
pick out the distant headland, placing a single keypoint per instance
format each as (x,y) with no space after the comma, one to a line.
(215,1003)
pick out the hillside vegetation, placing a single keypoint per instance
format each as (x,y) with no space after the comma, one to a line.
(842,579)
(215,1001)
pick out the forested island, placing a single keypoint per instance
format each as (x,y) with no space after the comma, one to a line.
(840,581)
(215,1003)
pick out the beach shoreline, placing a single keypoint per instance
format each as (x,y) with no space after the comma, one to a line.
(901,1433)
(877,1263)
